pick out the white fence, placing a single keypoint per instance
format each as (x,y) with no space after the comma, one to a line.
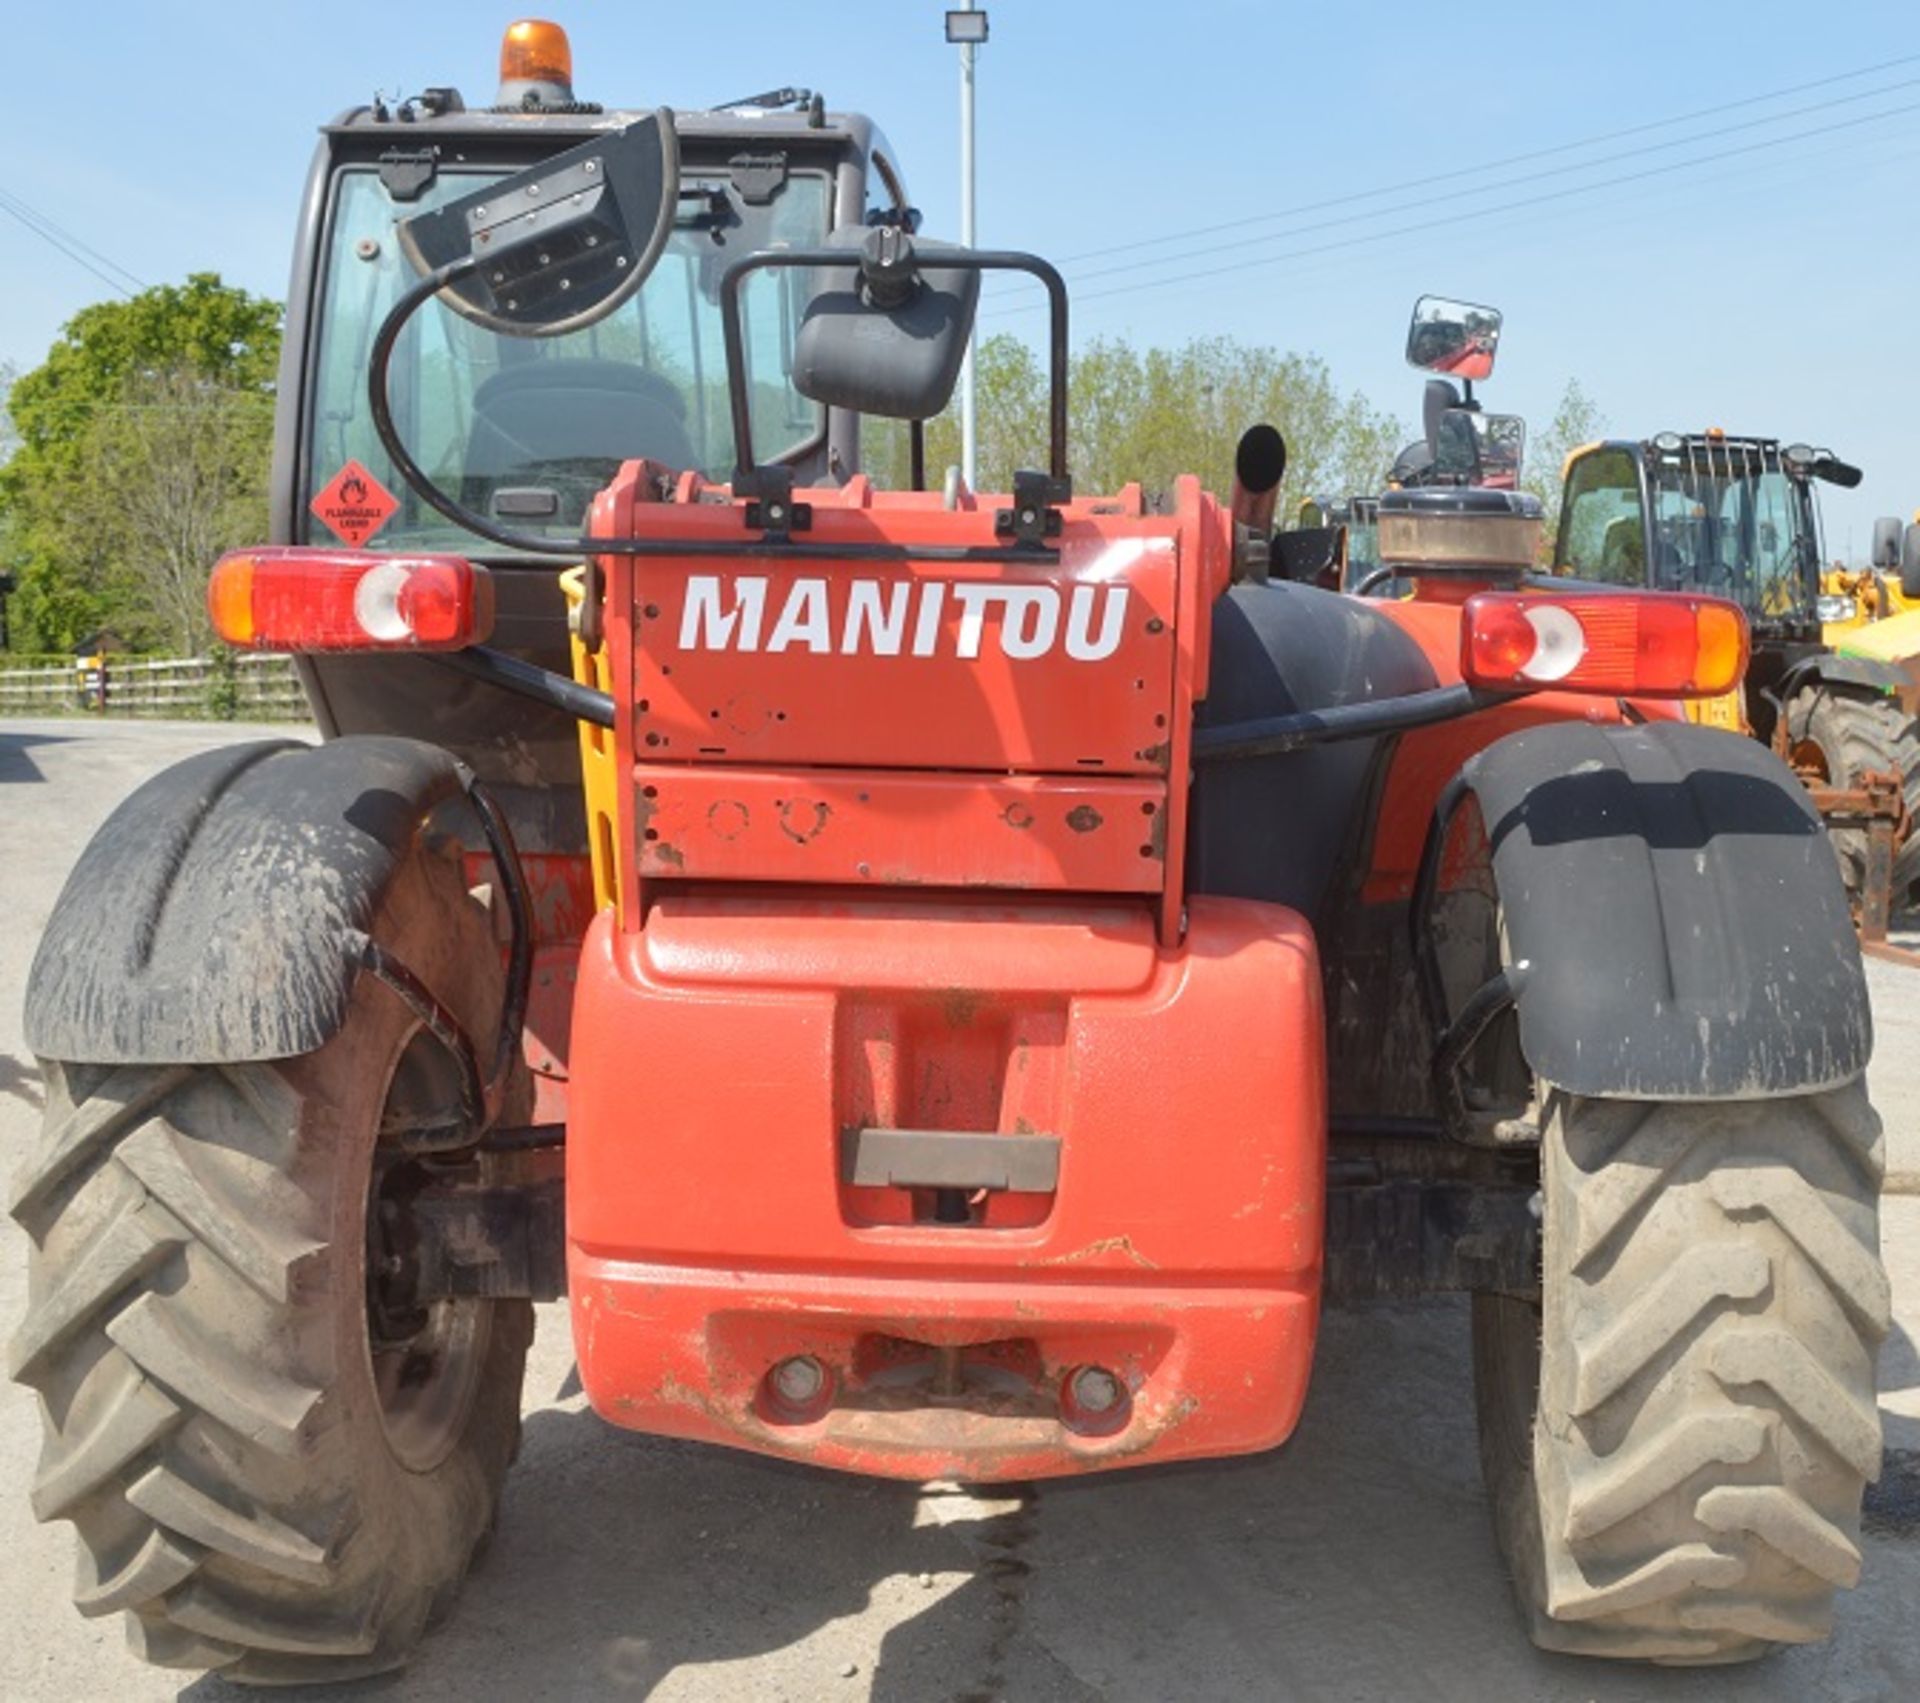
(259,688)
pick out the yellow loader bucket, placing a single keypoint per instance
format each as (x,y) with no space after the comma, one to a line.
(1896,639)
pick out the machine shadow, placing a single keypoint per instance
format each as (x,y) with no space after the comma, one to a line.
(1355,1563)
(21,1081)
(15,764)
(1899,1374)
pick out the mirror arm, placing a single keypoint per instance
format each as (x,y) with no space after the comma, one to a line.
(964,260)
(380,405)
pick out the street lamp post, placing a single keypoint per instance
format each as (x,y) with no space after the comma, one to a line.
(967,28)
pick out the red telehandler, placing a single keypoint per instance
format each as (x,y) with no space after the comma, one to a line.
(946,984)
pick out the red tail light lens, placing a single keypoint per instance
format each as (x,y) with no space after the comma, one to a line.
(320,600)
(1659,645)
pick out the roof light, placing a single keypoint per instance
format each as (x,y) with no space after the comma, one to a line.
(535,60)
(299,600)
(1657,645)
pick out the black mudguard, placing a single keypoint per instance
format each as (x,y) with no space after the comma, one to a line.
(217,915)
(1673,893)
(1864,673)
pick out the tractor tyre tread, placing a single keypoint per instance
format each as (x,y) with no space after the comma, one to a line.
(1856,733)
(1712,1300)
(205,1429)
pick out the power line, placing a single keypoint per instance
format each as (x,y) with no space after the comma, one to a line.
(1631,211)
(1500,164)
(1455,218)
(58,237)
(69,237)
(1507,183)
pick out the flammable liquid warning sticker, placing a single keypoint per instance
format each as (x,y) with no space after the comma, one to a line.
(354,505)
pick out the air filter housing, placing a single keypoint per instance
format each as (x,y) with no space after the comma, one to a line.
(1460,530)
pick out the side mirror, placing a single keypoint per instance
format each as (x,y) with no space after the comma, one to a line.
(1480,449)
(557,247)
(1503,450)
(1886,541)
(889,338)
(1910,564)
(1456,338)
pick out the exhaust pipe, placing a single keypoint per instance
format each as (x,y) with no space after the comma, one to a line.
(1259,464)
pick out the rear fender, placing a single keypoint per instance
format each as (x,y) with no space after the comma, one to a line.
(218,914)
(1862,673)
(1678,912)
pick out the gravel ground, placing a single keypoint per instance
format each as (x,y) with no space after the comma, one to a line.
(1354,1564)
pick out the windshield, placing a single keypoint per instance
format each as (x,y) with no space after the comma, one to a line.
(529,429)
(1727,520)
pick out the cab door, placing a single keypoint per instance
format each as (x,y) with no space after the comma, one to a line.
(1604,537)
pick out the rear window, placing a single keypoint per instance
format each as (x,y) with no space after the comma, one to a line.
(485,414)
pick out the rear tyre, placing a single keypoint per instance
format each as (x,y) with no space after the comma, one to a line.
(268,1476)
(1840,736)
(1676,1435)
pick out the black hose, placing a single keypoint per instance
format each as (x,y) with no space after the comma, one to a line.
(530,680)
(1273,735)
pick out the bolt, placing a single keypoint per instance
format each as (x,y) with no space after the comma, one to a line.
(799,1379)
(1096,1390)
(592,167)
(533,189)
(479,212)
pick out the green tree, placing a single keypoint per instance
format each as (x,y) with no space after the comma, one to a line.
(143,445)
(1151,415)
(1576,421)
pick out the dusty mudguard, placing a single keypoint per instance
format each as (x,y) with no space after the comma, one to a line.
(245,879)
(1682,921)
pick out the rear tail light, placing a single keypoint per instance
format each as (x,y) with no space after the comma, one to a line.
(1659,645)
(306,600)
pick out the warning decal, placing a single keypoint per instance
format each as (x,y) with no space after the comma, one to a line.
(354,505)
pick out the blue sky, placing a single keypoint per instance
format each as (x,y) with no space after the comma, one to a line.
(1772,289)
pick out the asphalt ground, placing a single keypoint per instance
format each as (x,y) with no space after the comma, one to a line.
(1354,1564)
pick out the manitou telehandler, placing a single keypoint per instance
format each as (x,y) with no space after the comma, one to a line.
(946,984)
